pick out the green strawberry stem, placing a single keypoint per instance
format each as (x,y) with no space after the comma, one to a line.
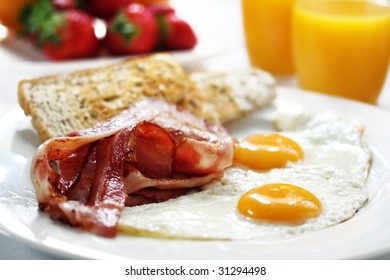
(42,21)
(163,26)
(124,27)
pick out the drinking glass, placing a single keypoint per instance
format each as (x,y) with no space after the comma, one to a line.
(342,47)
(267,29)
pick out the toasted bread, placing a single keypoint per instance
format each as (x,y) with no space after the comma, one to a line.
(61,104)
(226,96)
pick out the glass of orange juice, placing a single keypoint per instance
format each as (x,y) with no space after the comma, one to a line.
(267,29)
(342,47)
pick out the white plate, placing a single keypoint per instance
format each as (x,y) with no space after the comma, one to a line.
(363,236)
(22,56)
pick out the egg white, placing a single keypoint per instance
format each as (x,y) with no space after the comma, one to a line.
(335,169)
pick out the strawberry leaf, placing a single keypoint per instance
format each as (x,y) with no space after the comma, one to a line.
(163,26)
(124,27)
(42,21)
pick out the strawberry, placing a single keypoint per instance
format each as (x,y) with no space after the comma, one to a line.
(175,33)
(105,8)
(67,34)
(76,38)
(160,9)
(64,4)
(133,30)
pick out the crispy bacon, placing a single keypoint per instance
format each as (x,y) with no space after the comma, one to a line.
(151,152)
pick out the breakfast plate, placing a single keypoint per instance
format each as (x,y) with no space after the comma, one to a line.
(363,236)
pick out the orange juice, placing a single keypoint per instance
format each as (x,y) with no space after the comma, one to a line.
(267,26)
(10,12)
(342,47)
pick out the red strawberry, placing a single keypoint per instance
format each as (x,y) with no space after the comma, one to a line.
(62,35)
(159,9)
(64,4)
(133,30)
(176,34)
(76,38)
(105,8)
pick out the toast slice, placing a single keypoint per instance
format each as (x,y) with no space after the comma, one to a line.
(61,104)
(229,95)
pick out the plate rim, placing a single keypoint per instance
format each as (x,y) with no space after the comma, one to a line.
(285,92)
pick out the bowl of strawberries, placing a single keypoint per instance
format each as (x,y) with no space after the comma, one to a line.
(74,29)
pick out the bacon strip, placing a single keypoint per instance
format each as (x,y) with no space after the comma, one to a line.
(149,153)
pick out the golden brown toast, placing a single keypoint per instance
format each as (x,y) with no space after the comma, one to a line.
(60,104)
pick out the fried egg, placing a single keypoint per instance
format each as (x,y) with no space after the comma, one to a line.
(309,176)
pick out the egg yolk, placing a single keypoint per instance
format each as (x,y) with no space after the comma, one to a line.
(266,151)
(283,203)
